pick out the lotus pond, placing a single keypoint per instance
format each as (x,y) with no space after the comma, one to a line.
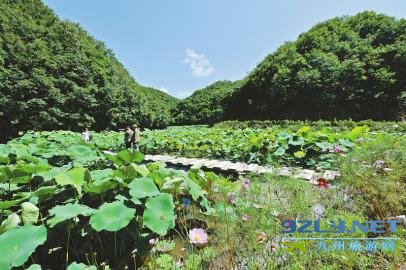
(68,204)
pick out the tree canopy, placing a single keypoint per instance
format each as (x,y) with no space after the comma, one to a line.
(346,67)
(161,104)
(204,106)
(54,75)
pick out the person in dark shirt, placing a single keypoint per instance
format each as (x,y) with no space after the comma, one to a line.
(128,135)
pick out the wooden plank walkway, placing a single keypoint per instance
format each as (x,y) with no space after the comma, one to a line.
(241,168)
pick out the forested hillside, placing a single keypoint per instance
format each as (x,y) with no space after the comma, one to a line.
(205,106)
(348,67)
(161,104)
(54,75)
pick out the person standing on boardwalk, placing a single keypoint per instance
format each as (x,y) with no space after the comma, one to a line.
(128,134)
(135,139)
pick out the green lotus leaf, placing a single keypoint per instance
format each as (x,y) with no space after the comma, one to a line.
(76,177)
(324,145)
(17,245)
(4,150)
(297,140)
(32,168)
(99,186)
(7,204)
(29,213)
(346,143)
(11,222)
(49,175)
(45,192)
(280,151)
(143,187)
(159,215)
(67,211)
(80,266)
(194,189)
(152,166)
(130,156)
(299,154)
(19,149)
(34,267)
(141,169)
(111,217)
(102,180)
(98,175)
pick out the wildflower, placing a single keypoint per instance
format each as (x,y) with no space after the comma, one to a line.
(261,237)
(165,248)
(322,182)
(232,198)
(246,218)
(152,241)
(257,206)
(197,236)
(274,246)
(379,164)
(186,202)
(286,224)
(337,149)
(246,184)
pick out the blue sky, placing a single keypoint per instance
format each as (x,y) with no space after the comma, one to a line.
(182,45)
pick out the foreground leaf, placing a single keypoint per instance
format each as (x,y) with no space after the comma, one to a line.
(67,211)
(75,177)
(112,217)
(80,266)
(159,216)
(11,222)
(17,245)
(143,187)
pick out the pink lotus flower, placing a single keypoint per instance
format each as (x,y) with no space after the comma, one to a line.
(165,248)
(246,184)
(246,218)
(152,241)
(198,236)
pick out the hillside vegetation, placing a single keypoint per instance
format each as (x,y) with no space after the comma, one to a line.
(161,104)
(205,106)
(54,75)
(347,67)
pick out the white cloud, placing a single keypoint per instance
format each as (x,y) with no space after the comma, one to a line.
(198,63)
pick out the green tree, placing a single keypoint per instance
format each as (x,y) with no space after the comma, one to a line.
(54,75)
(347,67)
(204,106)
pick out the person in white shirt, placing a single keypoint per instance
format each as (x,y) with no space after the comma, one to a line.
(86,135)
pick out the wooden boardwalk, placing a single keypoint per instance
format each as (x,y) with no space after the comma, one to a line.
(241,168)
